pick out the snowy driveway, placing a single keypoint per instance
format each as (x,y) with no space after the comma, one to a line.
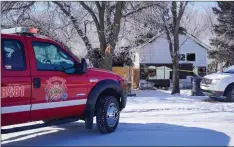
(151,118)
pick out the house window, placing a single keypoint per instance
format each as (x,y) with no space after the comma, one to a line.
(191,57)
(182,57)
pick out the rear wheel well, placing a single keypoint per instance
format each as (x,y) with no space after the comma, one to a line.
(108,92)
(228,87)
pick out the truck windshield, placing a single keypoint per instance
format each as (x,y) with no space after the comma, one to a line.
(230,70)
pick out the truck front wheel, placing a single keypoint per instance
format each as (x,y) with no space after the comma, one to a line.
(107,114)
(230,94)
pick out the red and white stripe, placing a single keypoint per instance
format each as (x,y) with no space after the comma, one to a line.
(40,106)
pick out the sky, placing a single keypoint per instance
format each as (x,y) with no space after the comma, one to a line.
(200,5)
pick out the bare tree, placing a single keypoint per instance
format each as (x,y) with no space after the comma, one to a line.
(191,21)
(141,27)
(107,17)
(7,6)
(107,32)
(13,8)
(172,33)
(66,9)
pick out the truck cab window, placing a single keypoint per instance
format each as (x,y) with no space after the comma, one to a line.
(51,57)
(13,55)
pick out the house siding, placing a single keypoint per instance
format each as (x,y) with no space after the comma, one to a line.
(158,52)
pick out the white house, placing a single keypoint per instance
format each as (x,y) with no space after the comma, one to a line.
(193,58)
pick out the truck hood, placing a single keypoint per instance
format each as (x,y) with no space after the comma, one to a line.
(101,71)
(215,76)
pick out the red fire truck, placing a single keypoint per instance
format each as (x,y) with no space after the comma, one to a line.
(42,80)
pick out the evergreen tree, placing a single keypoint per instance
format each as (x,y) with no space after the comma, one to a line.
(224,30)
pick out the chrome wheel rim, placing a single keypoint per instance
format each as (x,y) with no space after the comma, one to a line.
(112,115)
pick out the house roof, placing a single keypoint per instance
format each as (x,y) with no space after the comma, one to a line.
(195,39)
(149,41)
(199,42)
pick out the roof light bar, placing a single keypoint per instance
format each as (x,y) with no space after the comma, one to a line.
(27,30)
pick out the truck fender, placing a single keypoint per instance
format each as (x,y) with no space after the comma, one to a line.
(95,93)
(227,88)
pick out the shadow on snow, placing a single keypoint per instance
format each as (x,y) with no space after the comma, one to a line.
(149,134)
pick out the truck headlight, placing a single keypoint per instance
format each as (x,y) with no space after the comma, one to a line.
(215,81)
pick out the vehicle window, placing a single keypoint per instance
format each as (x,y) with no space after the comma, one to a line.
(51,57)
(13,55)
(229,70)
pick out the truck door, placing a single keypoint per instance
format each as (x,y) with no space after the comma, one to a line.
(16,80)
(55,94)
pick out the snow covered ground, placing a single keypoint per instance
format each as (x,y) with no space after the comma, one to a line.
(151,118)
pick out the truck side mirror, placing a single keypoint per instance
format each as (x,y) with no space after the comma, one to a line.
(84,66)
(80,68)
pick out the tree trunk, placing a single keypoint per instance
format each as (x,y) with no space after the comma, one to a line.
(106,62)
(112,37)
(175,60)
(176,85)
(175,78)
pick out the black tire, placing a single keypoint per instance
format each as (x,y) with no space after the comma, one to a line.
(193,94)
(230,94)
(101,114)
(46,121)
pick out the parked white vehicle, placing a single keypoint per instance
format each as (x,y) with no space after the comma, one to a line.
(219,85)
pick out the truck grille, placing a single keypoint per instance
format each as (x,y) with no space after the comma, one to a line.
(206,81)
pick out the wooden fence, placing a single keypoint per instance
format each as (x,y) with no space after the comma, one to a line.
(134,72)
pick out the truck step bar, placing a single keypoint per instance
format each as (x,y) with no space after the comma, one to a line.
(36,126)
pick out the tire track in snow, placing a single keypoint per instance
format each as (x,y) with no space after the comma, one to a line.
(176,109)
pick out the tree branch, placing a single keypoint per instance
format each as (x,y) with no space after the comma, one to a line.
(163,14)
(182,9)
(174,13)
(9,6)
(108,20)
(98,5)
(103,5)
(101,33)
(75,24)
(112,7)
(167,31)
(116,24)
(91,13)
(137,10)
(183,42)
